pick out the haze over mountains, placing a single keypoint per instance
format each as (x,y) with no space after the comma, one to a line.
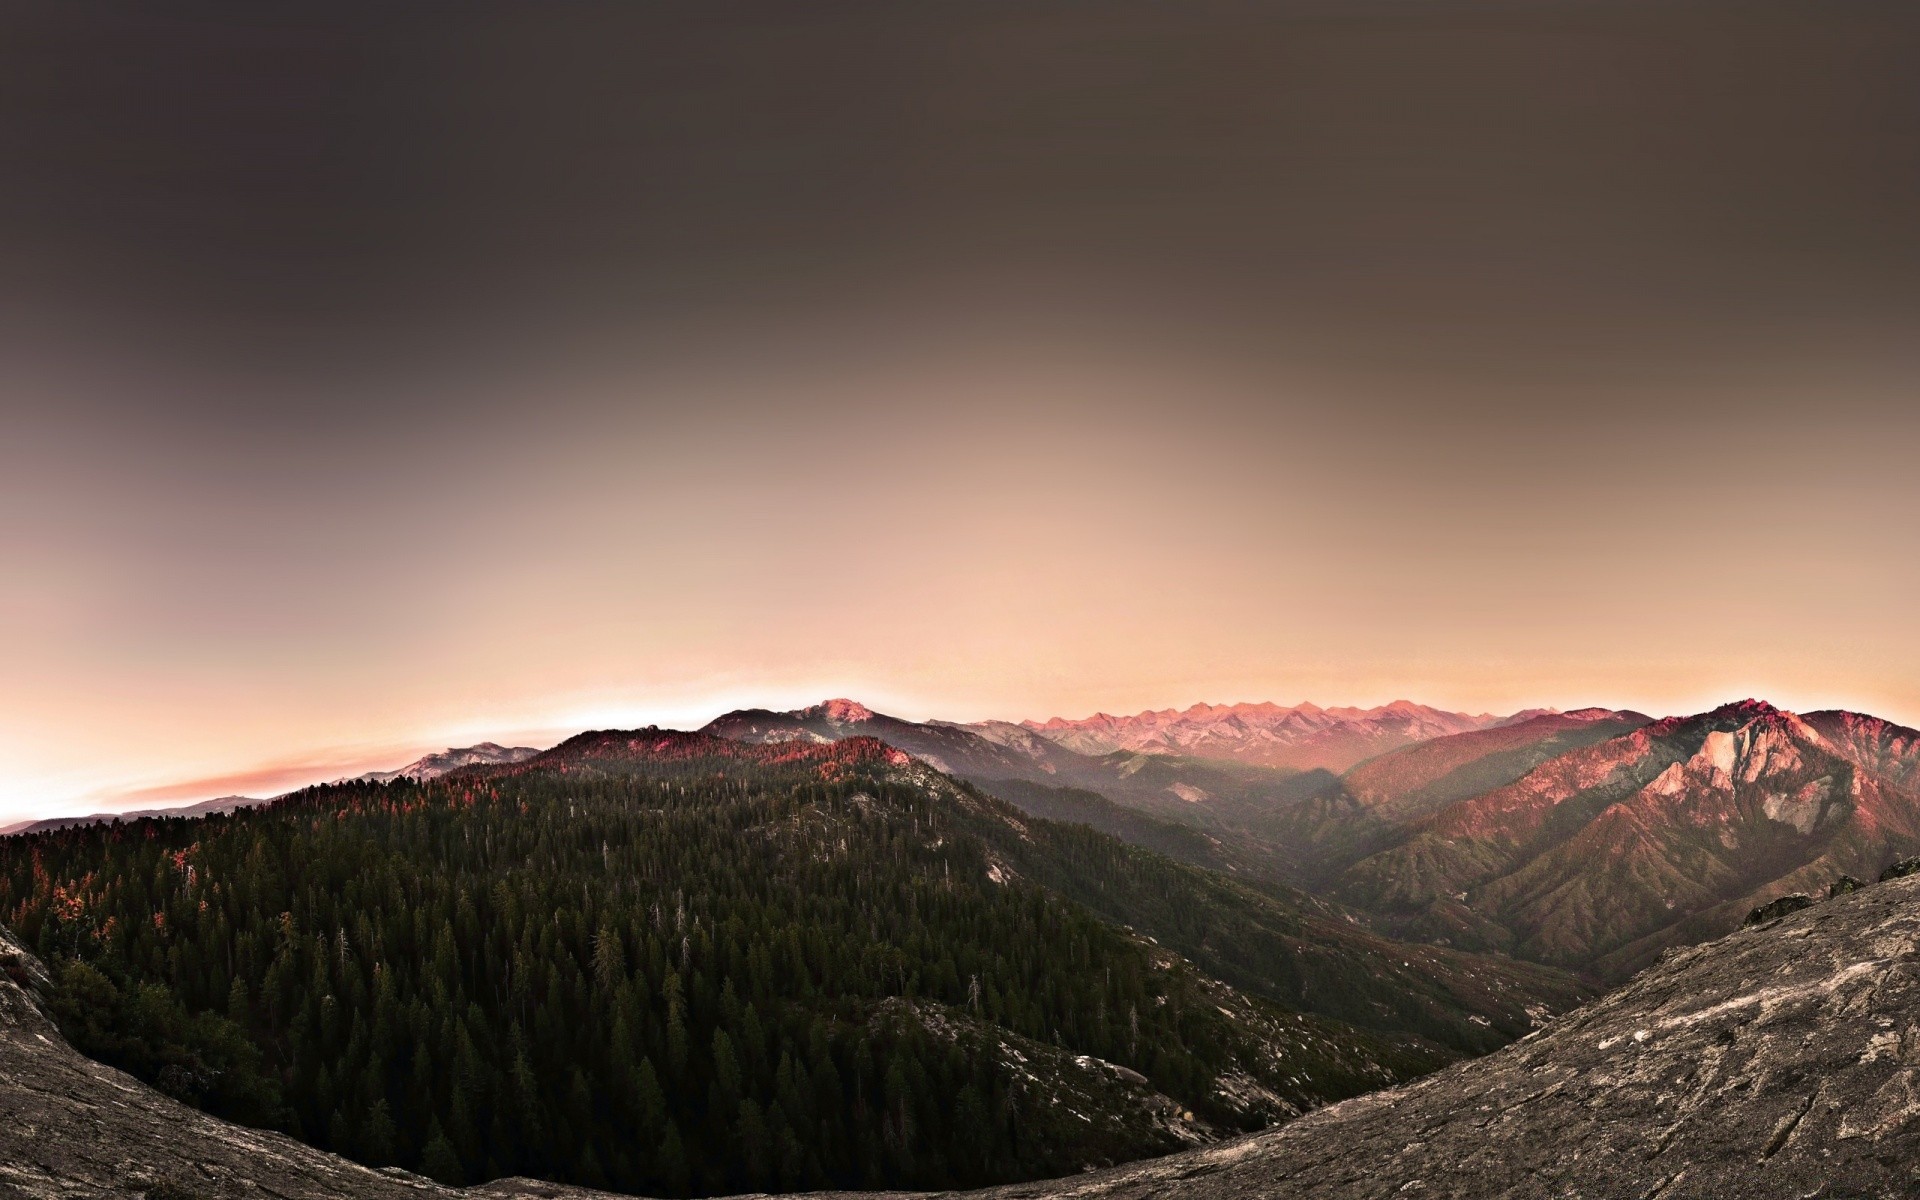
(219,804)
(1591,839)
(1302,737)
(430,766)
(1307,925)
(433,766)
(800,963)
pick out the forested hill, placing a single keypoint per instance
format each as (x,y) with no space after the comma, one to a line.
(671,964)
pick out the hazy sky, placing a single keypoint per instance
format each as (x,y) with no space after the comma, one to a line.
(375,381)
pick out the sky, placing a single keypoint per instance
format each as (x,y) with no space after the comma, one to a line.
(376,380)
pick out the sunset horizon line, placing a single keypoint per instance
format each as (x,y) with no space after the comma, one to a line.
(321,766)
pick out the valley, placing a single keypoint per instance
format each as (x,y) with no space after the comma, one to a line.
(830,948)
(777,962)
(1776,1061)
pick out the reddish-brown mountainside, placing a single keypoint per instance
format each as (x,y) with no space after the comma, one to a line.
(1666,835)
(1417,779)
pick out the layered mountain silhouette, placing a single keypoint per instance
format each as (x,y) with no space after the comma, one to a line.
(220,804)
(1302,737)
(1315,931)
(1610,853)
(799,962)
(1591,839)
(433,766)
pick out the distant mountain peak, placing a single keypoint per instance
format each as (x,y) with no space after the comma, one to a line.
(433,766)
(1611,852)
(846,712)
(219,804)
(1303,736)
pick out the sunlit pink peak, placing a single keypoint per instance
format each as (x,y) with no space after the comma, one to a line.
(1593,713)
(842,710)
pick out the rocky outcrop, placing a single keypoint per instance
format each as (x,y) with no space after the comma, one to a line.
(1901,869)
(1773,910)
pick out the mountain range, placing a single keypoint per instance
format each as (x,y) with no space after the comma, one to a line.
(1591,839)
(1016,949)
(1303,737)
(798,962)
(221,804)
(1608,854)
(433,766)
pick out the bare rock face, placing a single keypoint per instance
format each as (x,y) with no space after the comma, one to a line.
(1773,910)
(1602,858)
(1901,869)
(1780,1061)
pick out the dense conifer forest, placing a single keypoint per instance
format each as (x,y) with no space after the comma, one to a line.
(669,964)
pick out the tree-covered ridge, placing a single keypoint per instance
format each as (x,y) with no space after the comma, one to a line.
(652,962)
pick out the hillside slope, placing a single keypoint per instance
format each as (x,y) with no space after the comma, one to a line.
(72,1128)
(1032,772)
(668,961)
(1408,783)
(1778,1063)
(1664,836)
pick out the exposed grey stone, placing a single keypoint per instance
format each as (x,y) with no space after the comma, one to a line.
(1901,869)
(1773,910)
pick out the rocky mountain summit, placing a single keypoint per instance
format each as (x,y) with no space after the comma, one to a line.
(1667,835)
(1780,1061)
(433,766)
